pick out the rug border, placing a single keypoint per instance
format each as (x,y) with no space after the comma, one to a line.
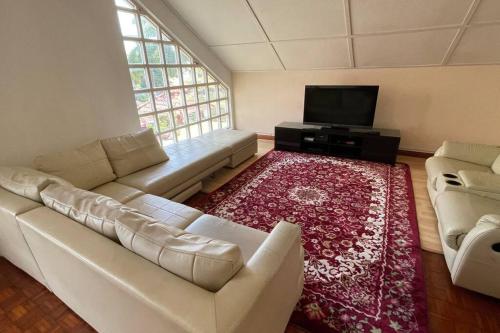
(420,265)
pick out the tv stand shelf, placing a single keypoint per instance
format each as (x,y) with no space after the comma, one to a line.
(377,144)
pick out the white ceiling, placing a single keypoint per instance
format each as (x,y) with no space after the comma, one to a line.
(253,35)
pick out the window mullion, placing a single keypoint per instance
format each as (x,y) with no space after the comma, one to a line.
(142,40)
(197,100)
(148,73)
(171,109)
(183,91)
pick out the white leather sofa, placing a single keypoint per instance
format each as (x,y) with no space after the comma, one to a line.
(117,290)
(464,187)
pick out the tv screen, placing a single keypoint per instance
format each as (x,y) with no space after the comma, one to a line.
(340,105)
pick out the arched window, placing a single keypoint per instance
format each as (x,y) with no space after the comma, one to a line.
(176,96)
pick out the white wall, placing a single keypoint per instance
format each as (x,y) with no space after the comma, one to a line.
(428,104)
(63,75)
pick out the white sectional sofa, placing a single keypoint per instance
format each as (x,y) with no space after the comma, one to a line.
(114,288)
(464,187)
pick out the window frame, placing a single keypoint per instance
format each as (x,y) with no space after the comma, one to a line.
(139,11)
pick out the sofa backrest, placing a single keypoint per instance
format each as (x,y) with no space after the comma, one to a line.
(85,167)
(132,152)
(207,262)
(27,182)
(93,210)
(470,152)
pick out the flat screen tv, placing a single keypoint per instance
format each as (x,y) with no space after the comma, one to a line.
(340,105)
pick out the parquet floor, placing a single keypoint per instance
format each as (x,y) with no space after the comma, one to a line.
(26,306)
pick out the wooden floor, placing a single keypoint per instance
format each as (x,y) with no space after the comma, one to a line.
(26,306)
(427,221)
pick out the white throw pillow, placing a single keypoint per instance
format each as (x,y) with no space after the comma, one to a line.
(93,210)
(132,152)
(27,182)
(85,167)
(206,262)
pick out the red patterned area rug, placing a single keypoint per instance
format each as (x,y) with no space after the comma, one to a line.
(363,269)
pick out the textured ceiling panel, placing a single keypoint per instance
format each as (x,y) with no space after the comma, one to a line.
(297,19)
(220,22)
(405,49)
(479,44)
(488,10)
(391,15)
(314,54)
(245,57)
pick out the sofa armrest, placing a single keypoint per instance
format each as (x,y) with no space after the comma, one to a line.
(477,263)
(480,181)
(470,152)
(262,296)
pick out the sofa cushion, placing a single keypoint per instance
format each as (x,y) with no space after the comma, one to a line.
(436,165)
(481,181)
(248,239)
(207,262)
(234,139)
(164,210)
(187,159)
(133,152)
(458,213)
(85,167)
(119,192)
(496,165)
(90,209)
(471,152)
(27,182)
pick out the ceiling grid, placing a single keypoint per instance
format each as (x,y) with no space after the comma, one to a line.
(347,13)
(460,32)
(263,35)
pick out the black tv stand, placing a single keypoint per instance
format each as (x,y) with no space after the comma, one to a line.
(372,144)
(339,128)
(351,129)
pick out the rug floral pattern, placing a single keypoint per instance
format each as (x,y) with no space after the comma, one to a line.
(362,260)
